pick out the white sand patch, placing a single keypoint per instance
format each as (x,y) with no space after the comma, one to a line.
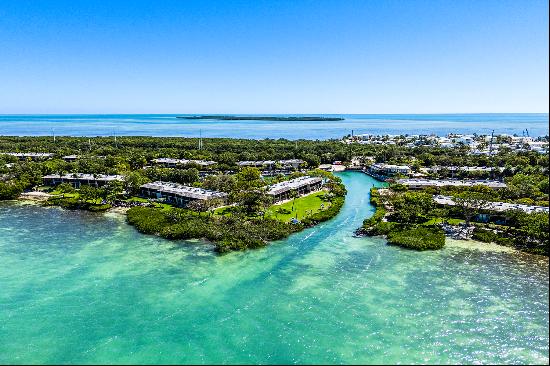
(478,245)
(35,196)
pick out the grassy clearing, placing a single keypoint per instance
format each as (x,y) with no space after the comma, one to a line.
(299,208)
(439,220)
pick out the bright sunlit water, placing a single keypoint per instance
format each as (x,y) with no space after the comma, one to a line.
(77,287)
(168,125)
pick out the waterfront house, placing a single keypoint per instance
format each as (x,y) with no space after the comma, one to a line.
(178,194)
(273,167)
(326,167)
(389,170)
(424,183)
(302,185)
(70,158)
(495,206)
(271,164)
(79,179)
(265,164)
(173,163)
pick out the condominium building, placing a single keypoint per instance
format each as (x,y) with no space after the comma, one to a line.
(302,185)
(79,179)
(178,194)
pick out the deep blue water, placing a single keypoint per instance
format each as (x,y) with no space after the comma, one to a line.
(168,125)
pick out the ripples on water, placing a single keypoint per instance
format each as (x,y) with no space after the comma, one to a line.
(168,125)
(82,288)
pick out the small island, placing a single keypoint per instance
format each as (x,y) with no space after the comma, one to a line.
(263,118)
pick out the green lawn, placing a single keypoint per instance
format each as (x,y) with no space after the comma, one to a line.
(439,220)
(163,206)
(303,206)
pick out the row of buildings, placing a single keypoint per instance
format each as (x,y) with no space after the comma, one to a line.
(181,195)
(478,144)
(298,186)
(173,163)
(495,206)
(458,169)
(80,179)
(267,165)
(29,155)
(290,163)
(382,171)
(413,183)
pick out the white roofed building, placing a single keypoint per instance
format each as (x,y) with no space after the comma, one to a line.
(172,163)
(79,179)
(30,155)
(424,183)
(178,194)
(302,185)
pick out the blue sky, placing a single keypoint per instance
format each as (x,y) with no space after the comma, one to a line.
(273,56)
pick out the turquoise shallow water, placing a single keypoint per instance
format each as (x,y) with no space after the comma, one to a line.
(82,288)
(169,125)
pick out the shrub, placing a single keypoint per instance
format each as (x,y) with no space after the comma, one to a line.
(227,233)
(418,238)
(9,190)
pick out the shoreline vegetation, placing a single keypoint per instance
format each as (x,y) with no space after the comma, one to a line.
(251,221)
(405,234)
(241,226)
(262,118)
(99,173)
(236,231)
(412,220)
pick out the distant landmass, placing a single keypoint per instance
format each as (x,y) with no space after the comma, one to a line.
(263,118)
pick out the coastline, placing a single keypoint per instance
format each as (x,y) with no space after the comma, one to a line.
(34,196)
(470,244)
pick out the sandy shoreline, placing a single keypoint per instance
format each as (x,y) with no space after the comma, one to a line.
(37,197)
(34,196)
(479,245)
(118,210)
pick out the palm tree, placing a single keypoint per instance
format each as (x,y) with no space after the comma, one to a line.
(293,195)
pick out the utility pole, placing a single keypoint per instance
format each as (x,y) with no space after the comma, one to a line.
(491,154)
(351,147)
(200,139)
(491,143)
(53,134)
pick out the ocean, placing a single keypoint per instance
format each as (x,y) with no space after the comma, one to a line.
(80,287)
(169,125)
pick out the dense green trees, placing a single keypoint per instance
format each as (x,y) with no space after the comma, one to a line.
(134,180)
(417,238)
(102,155)
(220,182)
(470,204)
(412,207)
(243,227)
(235,232)
(9,190)
(183,176)
(533,186)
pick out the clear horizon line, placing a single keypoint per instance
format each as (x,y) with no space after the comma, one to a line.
(262,114)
